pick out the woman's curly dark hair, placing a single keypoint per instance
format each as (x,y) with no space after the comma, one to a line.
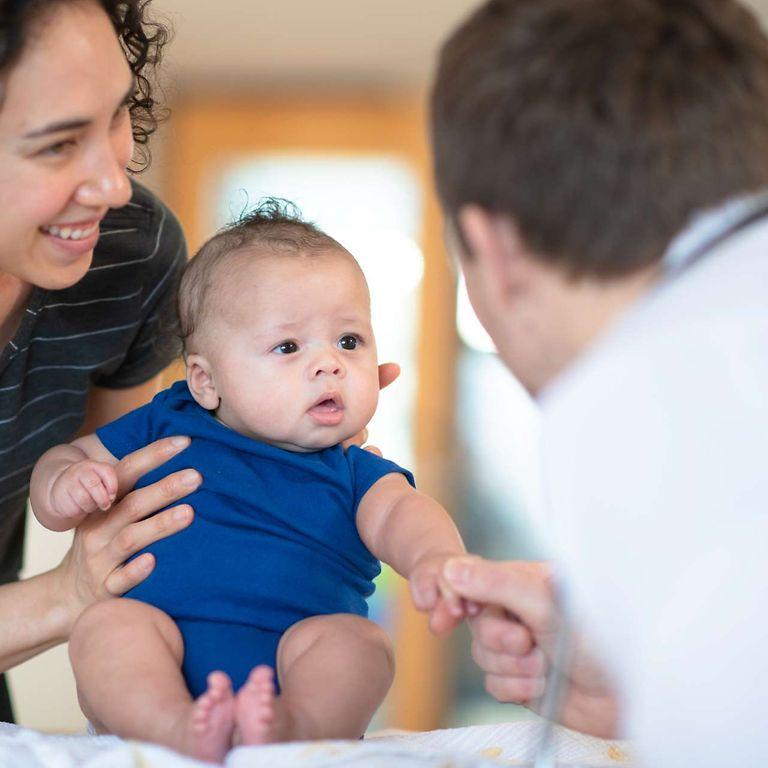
(142,39)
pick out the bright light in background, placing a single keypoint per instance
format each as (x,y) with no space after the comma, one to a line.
(392,261)
(470,328)
(337,192)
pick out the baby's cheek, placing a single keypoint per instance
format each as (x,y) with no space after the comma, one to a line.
(369,401)
(271,409)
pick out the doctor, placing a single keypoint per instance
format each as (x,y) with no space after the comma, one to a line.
(603,165)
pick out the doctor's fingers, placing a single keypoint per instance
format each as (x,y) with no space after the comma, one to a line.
(523,588)
(515,690)
(494,629)
(532,664)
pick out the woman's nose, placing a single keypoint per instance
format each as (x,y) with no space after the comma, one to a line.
(107,184)
(107,191)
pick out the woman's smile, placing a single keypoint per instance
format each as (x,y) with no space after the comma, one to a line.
(72,240)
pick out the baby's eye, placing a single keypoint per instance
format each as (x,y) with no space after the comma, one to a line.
(286,348)
(348,342)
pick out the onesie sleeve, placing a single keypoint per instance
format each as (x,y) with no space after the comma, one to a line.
(132,431)
(367,468)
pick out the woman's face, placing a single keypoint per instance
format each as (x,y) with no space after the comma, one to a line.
(65,141)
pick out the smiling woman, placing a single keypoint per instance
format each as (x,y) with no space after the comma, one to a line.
(67,140)
(88,267)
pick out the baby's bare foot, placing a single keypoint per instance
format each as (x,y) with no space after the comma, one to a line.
(207,732)
(261,717)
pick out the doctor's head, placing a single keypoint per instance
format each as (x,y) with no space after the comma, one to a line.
(573,139)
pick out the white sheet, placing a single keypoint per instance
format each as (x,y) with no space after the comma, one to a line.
(482,746)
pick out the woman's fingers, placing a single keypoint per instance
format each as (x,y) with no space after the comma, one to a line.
(129,575)
(388,372)
(143,502)
(95,566)
(138,535)
(135,465)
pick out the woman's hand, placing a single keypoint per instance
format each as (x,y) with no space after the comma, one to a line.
(95,567)
(388,372)
(513,636)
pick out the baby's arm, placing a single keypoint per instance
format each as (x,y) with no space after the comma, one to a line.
(415,535)
(71,481)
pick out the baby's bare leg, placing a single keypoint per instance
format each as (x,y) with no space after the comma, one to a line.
(126,657)
(334,672)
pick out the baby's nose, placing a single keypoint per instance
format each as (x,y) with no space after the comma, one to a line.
(328,364)
(330,369)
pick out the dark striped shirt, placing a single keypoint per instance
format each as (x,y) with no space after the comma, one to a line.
(107,330)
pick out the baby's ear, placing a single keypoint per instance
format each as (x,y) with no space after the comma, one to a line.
(200,382)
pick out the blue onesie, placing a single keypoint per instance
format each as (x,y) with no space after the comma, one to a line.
(274,538)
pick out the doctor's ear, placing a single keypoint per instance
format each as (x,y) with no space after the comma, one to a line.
(494,245)
(200,382)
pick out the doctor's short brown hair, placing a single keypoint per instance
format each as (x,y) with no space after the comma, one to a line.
(601,126)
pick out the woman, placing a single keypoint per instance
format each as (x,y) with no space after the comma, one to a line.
(88,261)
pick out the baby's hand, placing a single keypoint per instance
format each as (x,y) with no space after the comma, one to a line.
(431,593)
(84,487)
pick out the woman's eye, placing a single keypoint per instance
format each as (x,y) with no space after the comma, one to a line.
(287,348)
(59,148)
(348,342)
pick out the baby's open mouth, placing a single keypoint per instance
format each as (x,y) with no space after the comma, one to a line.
(329,404)
(328,409)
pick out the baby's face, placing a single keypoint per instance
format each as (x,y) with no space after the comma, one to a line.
(292,352)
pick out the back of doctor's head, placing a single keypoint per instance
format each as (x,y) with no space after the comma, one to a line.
(600,126)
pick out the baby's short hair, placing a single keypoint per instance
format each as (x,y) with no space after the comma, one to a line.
(273,227)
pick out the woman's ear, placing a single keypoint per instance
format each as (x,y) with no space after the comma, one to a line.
(200,382)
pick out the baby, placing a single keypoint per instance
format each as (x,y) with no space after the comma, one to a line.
(289,527)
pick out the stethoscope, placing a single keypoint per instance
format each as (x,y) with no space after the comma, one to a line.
(706,233)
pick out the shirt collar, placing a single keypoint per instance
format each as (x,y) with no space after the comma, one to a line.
(707,225)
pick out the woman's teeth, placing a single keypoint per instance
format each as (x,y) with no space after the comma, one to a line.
(70,233)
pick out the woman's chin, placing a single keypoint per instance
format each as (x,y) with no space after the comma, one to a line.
(58,276)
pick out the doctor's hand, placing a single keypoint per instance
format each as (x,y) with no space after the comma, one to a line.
(513,637)
(388,372)
(432,594)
